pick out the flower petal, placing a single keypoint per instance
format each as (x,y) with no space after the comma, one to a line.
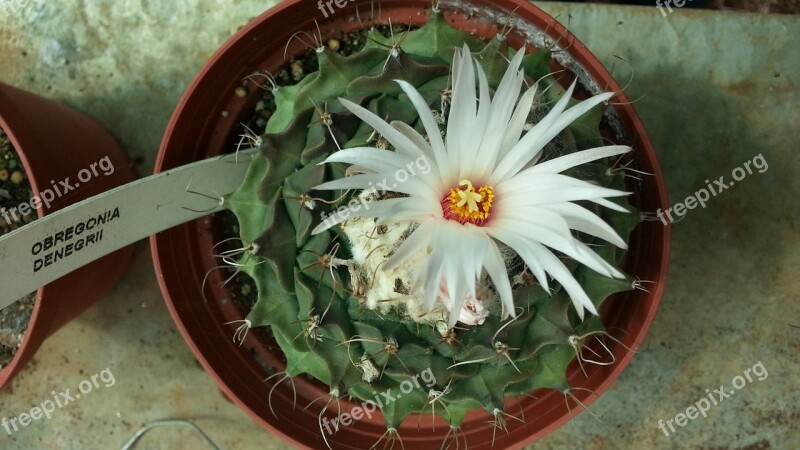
(609,204)
(425,166)
(517,122)
(559,271)
(581,219)
(461,117)
(403,145)
(397,168)
(381,161)
(549,236)
(551,193)
(416,209)
(479,131)
(519,245)
(554,123)
(571,160)
(497,127)
(509,88)
(434,268)
(418,240)
(463,265)
(530,145)
(411,186)
(496,268)
(369,209)
(578,251)
(531,219)
(431,127)
(413,135)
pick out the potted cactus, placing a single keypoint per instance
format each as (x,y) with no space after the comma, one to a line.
(436,228)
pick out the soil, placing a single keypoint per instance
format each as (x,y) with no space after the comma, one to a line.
(14,190)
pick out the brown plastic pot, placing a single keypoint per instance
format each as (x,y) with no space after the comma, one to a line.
(55,142)
(205,124)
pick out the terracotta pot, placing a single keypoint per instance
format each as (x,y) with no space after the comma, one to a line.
(55,142)
(199,129)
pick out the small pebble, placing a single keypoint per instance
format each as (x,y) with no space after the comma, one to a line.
(297,69)
(3,175)
(334,45)
(241,92)
(17,177)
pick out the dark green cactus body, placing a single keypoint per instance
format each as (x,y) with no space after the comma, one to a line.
(306,297)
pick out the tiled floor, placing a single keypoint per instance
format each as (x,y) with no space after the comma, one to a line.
(718,89)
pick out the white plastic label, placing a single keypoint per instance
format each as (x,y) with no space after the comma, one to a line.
(70,238)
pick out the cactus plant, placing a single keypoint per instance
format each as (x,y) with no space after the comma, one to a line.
(318,252)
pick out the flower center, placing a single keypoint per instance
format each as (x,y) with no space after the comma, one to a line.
(468,204)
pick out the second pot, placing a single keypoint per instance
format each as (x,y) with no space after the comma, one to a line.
(55,142)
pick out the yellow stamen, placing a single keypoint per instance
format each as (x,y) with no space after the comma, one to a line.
(469,204)
(468,196)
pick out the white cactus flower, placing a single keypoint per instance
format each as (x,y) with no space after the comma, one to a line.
(485,186)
